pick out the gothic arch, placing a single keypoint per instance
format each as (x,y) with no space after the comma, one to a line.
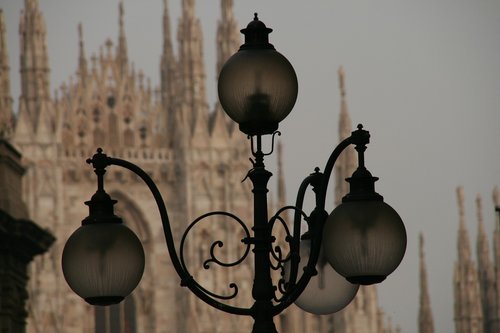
(132,216)
(82,128)
(97,113)
(128,113)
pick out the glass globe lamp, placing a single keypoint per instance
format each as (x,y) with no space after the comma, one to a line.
(103,263)
(364,238)
(103,260)
(328,291)
(257,86)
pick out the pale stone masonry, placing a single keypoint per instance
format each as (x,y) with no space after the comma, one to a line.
(485,271)
(425,318)
(20,241)
(20,238)
(192,151)
(6,116)
(468,310)
(477,297)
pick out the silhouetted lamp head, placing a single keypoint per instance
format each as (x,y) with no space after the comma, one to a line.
(257,85)
(103,260)
(364,239)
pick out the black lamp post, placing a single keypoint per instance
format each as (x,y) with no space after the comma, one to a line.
(363,239)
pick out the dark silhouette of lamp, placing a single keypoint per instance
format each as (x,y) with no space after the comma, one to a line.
(363,239)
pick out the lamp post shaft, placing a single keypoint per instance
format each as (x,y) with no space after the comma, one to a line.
(263,289)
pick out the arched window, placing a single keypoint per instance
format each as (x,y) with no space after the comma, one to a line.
(96,114)
(111,101)
(113,128)
(129,138)
(82,128)
(128,113)
(118,318)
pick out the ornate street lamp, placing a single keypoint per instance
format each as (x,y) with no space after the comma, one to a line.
(257,85)
(363,240)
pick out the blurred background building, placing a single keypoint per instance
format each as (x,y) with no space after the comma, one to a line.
(198,158)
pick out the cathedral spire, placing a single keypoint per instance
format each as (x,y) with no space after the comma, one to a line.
(485,269)
(192,69)
(483,251)
(228,41)
(168,63)
(468,307)
(82,61)
(347,161)
(168,77)
(6,113)
(345,124)
(121,50)
(188,8)
(228,38)
(365,305)
(464,249)
(34,64)
(425,318)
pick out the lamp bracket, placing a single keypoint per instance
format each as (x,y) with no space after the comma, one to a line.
(258,151)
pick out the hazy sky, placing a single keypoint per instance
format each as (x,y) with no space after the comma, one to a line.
(422,76)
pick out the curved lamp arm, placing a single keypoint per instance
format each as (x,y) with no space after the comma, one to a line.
(297,220)
(360,138)
(100,161)
(318,216)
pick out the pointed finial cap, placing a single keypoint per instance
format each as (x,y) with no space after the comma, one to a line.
(256,35)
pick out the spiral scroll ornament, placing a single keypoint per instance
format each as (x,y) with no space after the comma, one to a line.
(213,252)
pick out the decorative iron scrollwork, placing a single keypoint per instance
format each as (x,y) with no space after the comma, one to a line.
(292,239)
(213,255)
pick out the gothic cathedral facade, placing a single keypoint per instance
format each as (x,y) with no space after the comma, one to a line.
(192,151)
